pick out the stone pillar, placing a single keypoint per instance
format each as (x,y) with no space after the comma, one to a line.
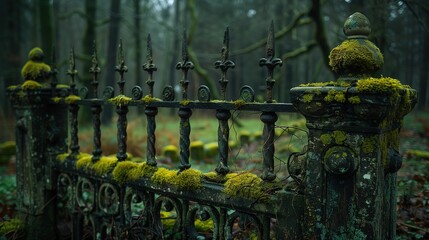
(41,134)
(353,146)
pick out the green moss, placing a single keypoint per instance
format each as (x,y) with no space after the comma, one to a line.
(10,226)
(354,100)
(35,71)
(36,54)
(149,99)
(355,56)
(211,149)
(326,139)
(239,103)
(184,102)
(71,99)
(172,152)
(62,157)
(30,84)
(187,179)
(245,185)
(60,86)
(12,87)
(369,145)
(334,95)
(215,177)
(325,84)
(418,153)
(104,165)
(120,100)
(56,99)
(132,171)
(307,98)
(339,137)
(204,226)
(84,162)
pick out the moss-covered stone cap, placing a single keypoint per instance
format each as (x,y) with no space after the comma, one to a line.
(356,57)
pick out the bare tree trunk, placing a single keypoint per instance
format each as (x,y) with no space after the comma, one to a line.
(112,52)
(424,74)
(46,27)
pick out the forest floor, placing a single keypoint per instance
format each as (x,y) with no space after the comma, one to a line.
(413,177)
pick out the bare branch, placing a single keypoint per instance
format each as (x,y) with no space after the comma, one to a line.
(299,51)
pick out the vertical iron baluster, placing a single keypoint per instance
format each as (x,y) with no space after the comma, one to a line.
(270,62)
(96,108)
(74,108)
(269,118)
(184,113)
(221,114)
(121,110)
(54,71)
(150,112)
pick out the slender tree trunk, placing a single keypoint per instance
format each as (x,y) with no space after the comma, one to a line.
(424,74)
(112,50)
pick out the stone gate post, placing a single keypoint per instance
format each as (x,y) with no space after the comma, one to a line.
(353,146)
(41,134)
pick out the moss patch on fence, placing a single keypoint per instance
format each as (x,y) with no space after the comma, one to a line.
(132,171)
(120,100)
(187,179)
(245,185)
(30,85)
(71,99)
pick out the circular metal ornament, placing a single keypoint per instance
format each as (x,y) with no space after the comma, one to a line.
(247,94)
(168,93)
(108,199)
(64,92)
(83,92)
(64,187)
(108,93)
(85,194)
(204,93)
(137,92)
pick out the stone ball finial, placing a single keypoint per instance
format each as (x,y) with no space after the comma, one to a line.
(357,25)
(36,54)
(356,57)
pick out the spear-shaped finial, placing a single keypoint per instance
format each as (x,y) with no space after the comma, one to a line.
(149,66)
(185,65)
(224,64)
(121,68)
(95,70)
(270,62)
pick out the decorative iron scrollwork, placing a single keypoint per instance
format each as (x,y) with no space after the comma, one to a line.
(108,199)
(108,92)
(204,93)
(85,194)
(247,224)
(206,215)
(247,94)
(64,189)
(83,92)
(167,214)
(137,92)
(168,93)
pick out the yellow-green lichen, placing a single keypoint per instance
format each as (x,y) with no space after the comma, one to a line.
(239,103)
(104,165)
(325,84)
(307,98)
(71,99)
(356,56)
(62,157)
(149,99)
(369,145)
(184,102)
(354,100)
(171,151)
(10,226)
(187,179)
(214,177)
(12,87)
(30,84)
(326,138)
(62,86)
(84,162)
(245,185)
(120,100)
(335,95)
(56,99)
(211,149)
(339,137)
(37,71)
